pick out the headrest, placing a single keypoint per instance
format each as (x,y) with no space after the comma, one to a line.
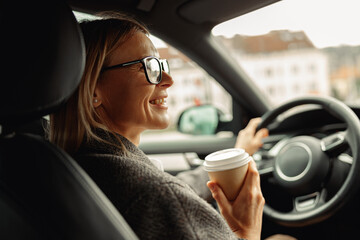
(43,57)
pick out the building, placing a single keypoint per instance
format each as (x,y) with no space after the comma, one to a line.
(344,66)
(345,81)
(282,63)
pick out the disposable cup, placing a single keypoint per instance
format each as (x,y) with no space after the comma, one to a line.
(228,169)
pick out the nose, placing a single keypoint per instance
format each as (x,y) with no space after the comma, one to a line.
(166,80)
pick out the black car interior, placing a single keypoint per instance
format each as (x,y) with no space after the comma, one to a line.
(44,194)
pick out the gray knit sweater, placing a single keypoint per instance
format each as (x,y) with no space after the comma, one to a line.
(155,204)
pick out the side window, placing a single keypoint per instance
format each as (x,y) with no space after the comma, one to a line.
(192,87)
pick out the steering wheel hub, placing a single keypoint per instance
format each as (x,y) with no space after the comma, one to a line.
(295,167)
(301,166)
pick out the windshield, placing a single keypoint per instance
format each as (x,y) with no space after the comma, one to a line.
(299,47)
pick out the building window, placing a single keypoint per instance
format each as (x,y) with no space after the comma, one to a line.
(295,69)
(312,68)
(313,86)
(296,88)
(269,73)
(271,90)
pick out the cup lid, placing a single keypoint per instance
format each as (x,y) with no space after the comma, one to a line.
(226,159)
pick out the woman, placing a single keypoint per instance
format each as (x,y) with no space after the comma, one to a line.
(122,93)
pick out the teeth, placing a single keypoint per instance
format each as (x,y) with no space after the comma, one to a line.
(158,101)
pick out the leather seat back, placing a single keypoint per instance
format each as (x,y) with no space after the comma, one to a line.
(44,194)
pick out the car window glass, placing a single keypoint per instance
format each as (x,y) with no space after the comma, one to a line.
(298,47)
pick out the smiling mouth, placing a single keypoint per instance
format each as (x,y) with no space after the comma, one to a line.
(158,101)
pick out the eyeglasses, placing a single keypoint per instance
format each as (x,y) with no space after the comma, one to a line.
(153,68)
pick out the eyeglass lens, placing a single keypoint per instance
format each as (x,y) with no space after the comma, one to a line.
(165,66)
(154,68)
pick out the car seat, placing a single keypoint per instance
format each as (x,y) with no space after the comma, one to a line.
(44,194)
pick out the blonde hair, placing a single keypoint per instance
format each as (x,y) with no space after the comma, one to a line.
(76,121)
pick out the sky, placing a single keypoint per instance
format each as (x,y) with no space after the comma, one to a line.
(326,22)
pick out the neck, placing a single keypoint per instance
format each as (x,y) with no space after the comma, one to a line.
(132,133)
(132,136)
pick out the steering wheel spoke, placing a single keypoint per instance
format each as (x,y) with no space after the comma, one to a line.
(345,158)
(265,167)
(309,201)
(334,142)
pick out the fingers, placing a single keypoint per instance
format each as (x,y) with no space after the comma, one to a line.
(218,195)
(252,125)
(251,194)
(253,177)
(252,180)
(249,139)
(262,133)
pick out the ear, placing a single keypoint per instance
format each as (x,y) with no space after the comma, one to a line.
(97,97)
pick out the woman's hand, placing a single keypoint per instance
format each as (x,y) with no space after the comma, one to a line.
(248,139)
(244,215)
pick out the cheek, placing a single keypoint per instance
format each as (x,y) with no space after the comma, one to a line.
(127,99)
(129,102)
(115,88)
(114,94)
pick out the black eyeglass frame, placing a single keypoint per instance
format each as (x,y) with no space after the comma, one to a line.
(142,61)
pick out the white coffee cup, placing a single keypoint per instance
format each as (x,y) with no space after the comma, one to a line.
(228,169)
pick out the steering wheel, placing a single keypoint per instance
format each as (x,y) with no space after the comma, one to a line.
(308,168)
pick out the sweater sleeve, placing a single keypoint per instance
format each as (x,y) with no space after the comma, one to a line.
(156,205)
(197,180)
(175,212)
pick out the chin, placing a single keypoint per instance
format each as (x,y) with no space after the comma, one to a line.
(163,125)
(160,124)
